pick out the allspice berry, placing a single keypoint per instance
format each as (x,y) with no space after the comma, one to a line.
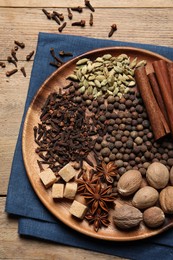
(153,217)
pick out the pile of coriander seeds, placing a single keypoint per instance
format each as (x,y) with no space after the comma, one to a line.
(119,120)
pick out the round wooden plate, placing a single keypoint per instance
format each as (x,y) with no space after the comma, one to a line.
(61,209)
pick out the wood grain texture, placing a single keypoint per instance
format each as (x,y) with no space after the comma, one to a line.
(141,21)
(14,247)
(95,3)
(24,25)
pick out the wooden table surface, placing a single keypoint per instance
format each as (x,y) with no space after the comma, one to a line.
(148,21)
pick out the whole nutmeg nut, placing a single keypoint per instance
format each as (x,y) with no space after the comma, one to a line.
(145,197)
(171,176)
(127,217)
(166,200)
(129,182)
(157,175)
(153,217)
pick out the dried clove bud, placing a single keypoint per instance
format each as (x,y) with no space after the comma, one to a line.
(48,15)
(9,73)
(63,53)
(23,71)
(70,15)
(55,18)
(91,20)
(55,64)
(20,44)
(113,29)
(77,9)
(10,60)
(2,64)
(81,23)
(60,29)
(16,48)
(60,16)
(88,4)
(29,56)
(13,54)
(52,51)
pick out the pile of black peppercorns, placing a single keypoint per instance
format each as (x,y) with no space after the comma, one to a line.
(123,133)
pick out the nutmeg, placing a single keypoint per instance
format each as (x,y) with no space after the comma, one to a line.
(145,197)
(153,217)
(166,200)
(171,176)
(127,217)
(129,182)
(157,175)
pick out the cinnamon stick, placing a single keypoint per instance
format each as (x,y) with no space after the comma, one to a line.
(156,91)
(170,74)
(158,123)
(162,75)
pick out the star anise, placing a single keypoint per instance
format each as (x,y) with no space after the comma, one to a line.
(98,197)
(87,178)
(98,219)
(107,171)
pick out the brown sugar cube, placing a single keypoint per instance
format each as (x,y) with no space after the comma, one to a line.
(47,177)
(67,172)
(77,209)
(70,190)
(57,190)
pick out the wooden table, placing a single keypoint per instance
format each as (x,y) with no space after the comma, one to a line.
(140,21)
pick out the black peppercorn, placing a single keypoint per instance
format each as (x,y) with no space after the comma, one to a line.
(121,107)
(111,99)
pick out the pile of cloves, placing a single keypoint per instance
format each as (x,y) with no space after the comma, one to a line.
(59,17)
(14,60)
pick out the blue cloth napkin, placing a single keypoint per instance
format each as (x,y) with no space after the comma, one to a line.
(34,219)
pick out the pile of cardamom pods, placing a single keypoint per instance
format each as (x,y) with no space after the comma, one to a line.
(106,75)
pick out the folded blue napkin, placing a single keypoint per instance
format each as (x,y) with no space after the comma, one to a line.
(34,219)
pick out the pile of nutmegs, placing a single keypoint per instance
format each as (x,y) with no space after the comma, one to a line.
(151,200)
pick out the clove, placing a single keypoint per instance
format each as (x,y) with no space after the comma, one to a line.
(113,29)
(11,72)
(81,23)
(20,44)
(2,64)
(77,9)
(10,60)
(16,48)
(60,29)
(55,18)
(60,16)
(48,15)
(29,56)
(55,64)
(23,71)
(70,15)
(63,53)
(88,4)
(52,51)
(13,54)
(91,20)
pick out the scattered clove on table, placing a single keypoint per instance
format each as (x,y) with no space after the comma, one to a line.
(11,72)
(60,29)
(29,56)
(23,71)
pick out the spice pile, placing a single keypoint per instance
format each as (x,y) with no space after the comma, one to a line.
(105,126)
(14,59)
(59,17)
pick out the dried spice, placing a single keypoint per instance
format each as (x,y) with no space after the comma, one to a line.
(98,219)
(87,178)
(11,72)
(64,133)
(107,171)
(98,197)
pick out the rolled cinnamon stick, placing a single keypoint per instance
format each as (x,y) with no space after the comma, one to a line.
(162,76)
(156,91)
(170,74)
(158,123)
